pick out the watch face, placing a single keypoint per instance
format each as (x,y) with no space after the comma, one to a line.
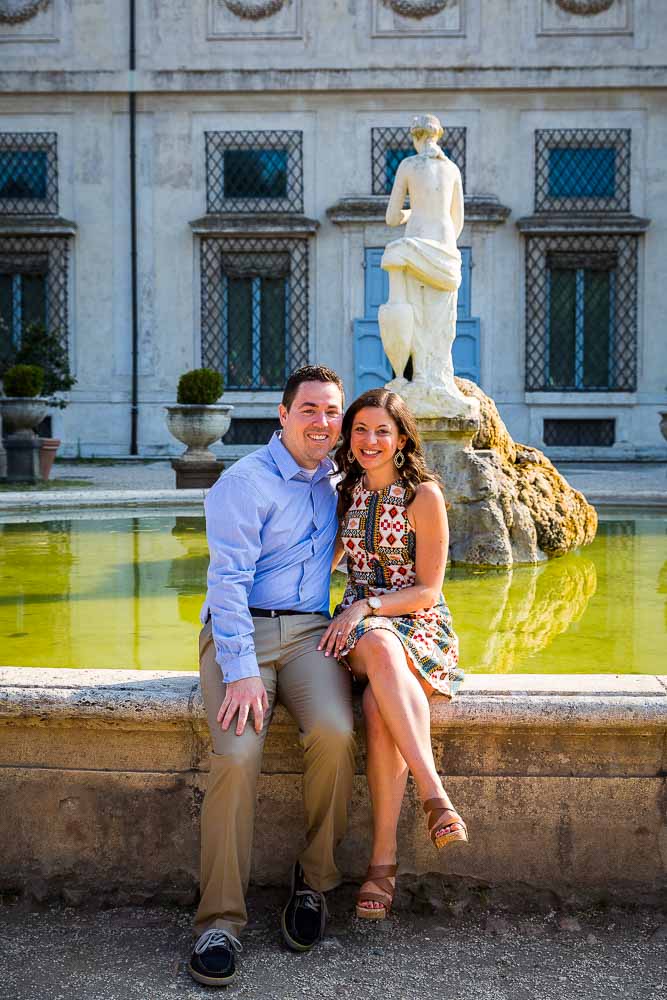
(375,603)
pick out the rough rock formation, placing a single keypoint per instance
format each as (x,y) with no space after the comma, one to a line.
(509,504)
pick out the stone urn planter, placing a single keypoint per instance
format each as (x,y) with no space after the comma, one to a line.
(21,415)
(663,423)
(198,425)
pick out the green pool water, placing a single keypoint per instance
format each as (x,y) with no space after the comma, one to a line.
(118,591)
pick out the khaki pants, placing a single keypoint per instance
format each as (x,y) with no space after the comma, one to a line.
(315,690)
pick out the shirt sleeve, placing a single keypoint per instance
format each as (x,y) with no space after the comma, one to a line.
(235,515)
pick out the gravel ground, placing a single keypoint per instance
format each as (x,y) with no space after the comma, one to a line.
(621,477)
(459,952)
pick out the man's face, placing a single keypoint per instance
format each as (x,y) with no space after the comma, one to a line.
(311,426)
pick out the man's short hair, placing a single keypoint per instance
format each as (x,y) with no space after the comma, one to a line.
(309,373)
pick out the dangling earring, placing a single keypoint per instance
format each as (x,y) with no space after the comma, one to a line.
(399,459)
(350,456)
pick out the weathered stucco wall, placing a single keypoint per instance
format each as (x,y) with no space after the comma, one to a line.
(562,781)
(332,70)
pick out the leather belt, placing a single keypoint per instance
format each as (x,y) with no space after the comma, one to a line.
(277,612)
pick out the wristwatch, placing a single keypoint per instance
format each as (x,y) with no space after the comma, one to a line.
(374,603)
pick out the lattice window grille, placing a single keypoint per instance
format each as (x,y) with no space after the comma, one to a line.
(561,266)
(22,300)
(582,170)
(28,173)
(254,171)
(251,431)
(580,325)
(37,259)
(390,145)
(254,309)
(579,433)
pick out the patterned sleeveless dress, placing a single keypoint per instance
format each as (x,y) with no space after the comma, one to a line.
(380,545)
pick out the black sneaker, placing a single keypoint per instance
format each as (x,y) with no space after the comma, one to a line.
(305,915)
(212,961)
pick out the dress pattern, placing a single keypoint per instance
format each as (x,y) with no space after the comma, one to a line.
(380,546)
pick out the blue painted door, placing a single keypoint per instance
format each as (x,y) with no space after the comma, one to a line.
(371,366)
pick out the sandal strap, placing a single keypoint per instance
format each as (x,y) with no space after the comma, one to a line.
(383,884)
(380,871)
(432,804)
(436,810)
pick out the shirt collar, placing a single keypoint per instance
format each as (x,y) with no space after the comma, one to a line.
(287,466)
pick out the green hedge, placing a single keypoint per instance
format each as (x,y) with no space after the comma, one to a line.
(202,386)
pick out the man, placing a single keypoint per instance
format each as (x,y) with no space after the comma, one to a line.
(271,526)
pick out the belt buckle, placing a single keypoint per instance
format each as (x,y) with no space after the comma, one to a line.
(273,613)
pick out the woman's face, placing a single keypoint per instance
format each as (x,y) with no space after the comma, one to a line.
(374,438)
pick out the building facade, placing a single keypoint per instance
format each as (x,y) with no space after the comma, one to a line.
(263,136)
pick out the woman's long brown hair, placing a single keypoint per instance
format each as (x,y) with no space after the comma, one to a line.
(413,472)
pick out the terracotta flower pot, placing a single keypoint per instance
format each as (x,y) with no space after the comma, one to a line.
(47,455)
(663,424)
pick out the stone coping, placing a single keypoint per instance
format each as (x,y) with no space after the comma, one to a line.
(57,500)
(530,701)
(546,223)
(250,224)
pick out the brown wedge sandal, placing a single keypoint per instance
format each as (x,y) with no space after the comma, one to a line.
(455,829)
(377,875)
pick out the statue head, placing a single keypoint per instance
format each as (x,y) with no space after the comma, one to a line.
(425,130)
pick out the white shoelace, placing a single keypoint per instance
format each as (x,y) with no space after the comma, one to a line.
(312,900)
(216,937)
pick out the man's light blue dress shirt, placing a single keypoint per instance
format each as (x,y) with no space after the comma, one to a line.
(271,533)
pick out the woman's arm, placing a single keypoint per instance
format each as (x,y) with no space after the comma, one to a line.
(397,215)
(457,207)
(428,516)
(337,552)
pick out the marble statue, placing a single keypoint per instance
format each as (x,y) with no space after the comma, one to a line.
(419,319)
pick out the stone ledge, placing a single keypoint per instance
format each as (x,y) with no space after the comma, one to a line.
(99,767)
(372,208)
(17,500)
(244,224)
(541,702)
(551,223)
(36,225)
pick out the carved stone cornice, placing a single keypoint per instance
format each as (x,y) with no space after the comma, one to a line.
(241,224)
(484,209)
(254,10)
(36,225)
(418,8)
(585,8)
(551,223)
(18,11)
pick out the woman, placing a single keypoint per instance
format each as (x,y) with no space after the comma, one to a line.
(392,625)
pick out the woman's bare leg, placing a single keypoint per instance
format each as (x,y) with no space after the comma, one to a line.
(403,703)
(387,774)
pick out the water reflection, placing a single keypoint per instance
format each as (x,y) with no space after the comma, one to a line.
(187,572)
(126,591)
(33,566)
(662,589)
(520,612)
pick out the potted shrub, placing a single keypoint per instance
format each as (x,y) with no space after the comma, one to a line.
(43,347)
(198,419)
(23,408)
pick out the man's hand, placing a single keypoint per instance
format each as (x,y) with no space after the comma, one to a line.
(241,696)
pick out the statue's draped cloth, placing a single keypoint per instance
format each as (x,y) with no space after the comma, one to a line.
(427,260)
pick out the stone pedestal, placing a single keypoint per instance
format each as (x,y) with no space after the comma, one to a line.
(487,525)
(23,458)
(196,475)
